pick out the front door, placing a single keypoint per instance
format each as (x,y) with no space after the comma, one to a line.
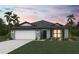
(43,34)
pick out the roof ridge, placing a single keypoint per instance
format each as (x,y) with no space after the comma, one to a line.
(42,20)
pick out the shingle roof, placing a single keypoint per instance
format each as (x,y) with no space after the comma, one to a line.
(43,23)
(40,25)
(46,24)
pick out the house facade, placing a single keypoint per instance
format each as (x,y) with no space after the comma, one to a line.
(39,30)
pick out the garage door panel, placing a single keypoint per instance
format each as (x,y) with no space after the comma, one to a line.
(30,34)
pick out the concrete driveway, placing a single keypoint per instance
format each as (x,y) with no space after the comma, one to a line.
(8,46)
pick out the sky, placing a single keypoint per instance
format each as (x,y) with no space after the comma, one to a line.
(51,13)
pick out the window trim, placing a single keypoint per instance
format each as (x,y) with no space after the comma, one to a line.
(57,33)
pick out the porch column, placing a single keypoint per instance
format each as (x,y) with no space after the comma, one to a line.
(62,34)
(66,33)
(38,35)
(13,34)
(51,33)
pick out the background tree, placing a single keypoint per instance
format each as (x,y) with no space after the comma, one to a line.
(70,20)
(77,24)
(3,28)
(15,19)
(71,24)
(8,17)
(12,20)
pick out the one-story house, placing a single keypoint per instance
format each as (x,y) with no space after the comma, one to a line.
(39,30)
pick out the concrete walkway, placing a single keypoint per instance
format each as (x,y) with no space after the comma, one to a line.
(8,46)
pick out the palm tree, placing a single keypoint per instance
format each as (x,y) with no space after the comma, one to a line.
(15,19)
(70,24)
(70,20)
(11,18)
(8,17)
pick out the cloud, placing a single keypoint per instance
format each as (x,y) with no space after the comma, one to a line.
(53,13)
(30,12)
(50,13)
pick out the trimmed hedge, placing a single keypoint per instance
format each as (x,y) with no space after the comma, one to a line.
(75,31)
(4,38)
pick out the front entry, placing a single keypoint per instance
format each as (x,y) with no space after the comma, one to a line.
(43,34)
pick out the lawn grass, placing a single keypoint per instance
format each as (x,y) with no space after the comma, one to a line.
(48,47)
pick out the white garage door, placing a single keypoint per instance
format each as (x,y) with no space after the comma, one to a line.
(22,34)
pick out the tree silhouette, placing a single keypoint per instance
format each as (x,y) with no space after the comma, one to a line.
(3,28)
(8,17)
(15,19)
(12,20)
(1,21)
(70,20)
(71,24)
(78,24)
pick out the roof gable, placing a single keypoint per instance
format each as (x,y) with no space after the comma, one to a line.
(57,24)
(25,24)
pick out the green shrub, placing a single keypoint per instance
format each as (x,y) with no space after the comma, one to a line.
(36,38)
(66,39)
(56,38)
(48,39)
(75,32)
(4,38)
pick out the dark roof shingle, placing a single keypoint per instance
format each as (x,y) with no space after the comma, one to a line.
(40,25)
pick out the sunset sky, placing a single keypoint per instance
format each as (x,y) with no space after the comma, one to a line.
(51,13)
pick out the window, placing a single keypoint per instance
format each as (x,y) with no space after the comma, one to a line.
(57,33)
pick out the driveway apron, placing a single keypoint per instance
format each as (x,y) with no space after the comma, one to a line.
(8,46)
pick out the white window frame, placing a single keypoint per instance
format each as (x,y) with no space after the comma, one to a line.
(57,33)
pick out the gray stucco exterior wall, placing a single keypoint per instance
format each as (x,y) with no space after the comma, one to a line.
(66,33)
